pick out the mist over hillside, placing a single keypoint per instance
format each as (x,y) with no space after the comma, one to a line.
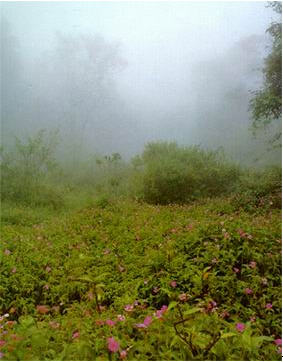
(185,76)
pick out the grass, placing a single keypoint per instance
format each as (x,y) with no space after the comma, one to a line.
(64,275)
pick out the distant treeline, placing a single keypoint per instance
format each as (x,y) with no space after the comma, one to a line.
(164,173)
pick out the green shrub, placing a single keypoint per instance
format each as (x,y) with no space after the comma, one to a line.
(258,190)
(173,174)
(27,171)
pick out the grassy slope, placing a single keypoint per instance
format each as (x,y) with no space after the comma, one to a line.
(129,251)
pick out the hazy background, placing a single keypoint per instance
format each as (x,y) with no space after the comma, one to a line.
(113,76)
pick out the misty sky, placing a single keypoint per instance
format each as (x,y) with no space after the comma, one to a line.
(182,64)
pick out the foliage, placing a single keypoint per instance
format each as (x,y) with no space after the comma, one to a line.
(72,282)
(266,104)
(26,171)
(259,190)
(171,173)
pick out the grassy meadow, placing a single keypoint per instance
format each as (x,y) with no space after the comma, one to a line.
(175,255)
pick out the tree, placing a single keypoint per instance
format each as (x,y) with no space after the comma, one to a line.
(266,105)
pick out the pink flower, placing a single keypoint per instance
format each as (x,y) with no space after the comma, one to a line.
(279,351)
(123,354)
(240,327)
(113,345)
(253,319)
(161,311)
(48,269)
(14,270)
(7,252)
(75,335)
(1,354)
(173,283)
(164,308)
(268,306)
(129,308)
(2,343)
(121,318)
(248,291)
(147,321)
(236,270)
(110,323)
(278,342)
(46,287)
(252,264)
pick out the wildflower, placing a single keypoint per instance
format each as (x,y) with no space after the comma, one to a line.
(113,345)
(161,311)
(136,303)
(253,319)
(42,309)
(252,264)
(75,335)
(106,251)
(211,306)
(129,308)
(14,270)
(46,287)
(183,297)
(99,322)
(1,354)
(278,342)
(123,354)
(121,317)
(110,323)
(264,282)
(6,315)
(240,327)
(173,283)
(48,269)
(147,321)
(226,235)
(236,270)
(2,343)
(268,306)
(7,252)
(248,291)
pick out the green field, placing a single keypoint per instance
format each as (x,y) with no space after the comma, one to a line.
(70,281)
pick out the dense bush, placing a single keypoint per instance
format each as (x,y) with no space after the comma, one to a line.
(170,173)
(258,190)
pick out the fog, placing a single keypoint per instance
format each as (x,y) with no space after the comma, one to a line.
(112,76)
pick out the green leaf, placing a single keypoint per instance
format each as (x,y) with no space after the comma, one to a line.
(172,305)
(192,311)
